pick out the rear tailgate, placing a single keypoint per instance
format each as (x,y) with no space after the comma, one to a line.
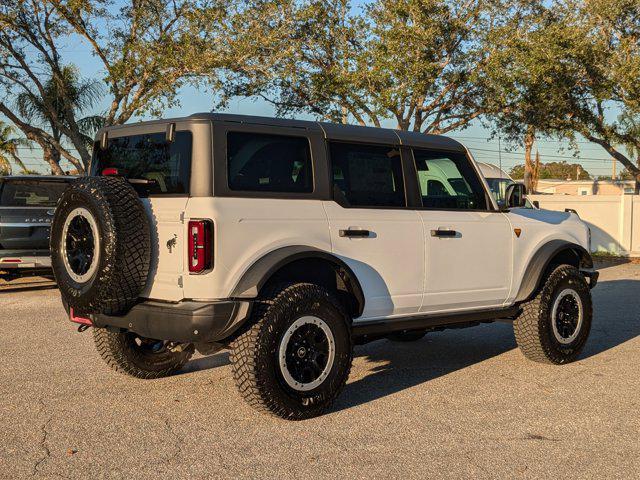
(166,219)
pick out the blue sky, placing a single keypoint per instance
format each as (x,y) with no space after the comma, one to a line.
(192,100)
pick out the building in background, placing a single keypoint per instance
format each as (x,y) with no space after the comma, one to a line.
(585,187)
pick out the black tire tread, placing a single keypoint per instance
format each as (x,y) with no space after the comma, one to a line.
(528,327)
(245,351)
(116,353)
(126,245)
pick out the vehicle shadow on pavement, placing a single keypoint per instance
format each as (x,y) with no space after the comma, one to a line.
(206,362)
(616,315)
(398,366)
(8,287)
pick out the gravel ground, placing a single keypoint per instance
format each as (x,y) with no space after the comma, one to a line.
(457,404)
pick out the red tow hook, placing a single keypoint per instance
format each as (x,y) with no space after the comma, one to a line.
(84,322)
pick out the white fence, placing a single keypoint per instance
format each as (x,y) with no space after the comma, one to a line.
(614,219)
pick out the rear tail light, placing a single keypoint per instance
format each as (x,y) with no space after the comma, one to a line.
(200,241)
(110,171)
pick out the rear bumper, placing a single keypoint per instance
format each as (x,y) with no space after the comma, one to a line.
(187,321)
(16,260)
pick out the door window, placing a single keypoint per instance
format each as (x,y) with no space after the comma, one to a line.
(268,163)
(368,175)
(448,181)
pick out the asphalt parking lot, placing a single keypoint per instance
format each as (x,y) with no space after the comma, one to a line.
(457,404)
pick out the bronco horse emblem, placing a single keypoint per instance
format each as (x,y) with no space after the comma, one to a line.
(172,243)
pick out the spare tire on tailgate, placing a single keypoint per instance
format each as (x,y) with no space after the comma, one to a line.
(100,245)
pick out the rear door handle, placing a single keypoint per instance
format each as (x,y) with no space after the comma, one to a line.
(354,232)
(441,232)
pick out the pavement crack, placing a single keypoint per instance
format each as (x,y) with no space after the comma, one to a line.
(44,429)
(535,436)
(177,441)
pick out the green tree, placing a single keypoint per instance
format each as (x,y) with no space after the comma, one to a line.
(82,96)
(9,146)
(418,63)
(150,49)
(571,69)
(554,170)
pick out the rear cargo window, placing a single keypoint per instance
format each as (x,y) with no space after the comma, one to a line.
(30,193)
(268,163)
(154,165)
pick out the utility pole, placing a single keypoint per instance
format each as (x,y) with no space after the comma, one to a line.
(500,155)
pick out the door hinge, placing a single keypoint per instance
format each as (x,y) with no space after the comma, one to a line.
(181,217)
(180,281)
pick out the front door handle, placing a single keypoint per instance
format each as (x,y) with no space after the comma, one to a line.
(441,232)
(355,232)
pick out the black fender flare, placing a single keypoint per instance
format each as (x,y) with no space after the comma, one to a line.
(262,269)
(539,263)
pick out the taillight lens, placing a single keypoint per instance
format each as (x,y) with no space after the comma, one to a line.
(200,241)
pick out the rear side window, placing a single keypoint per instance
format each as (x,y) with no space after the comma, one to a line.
(448,181)
(368,175)
(30,193)
(158,166)
(259,162)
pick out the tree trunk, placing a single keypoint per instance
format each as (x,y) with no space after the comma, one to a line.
(530,179)
(49,155)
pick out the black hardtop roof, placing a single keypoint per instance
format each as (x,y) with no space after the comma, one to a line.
(331,131)
(43,178)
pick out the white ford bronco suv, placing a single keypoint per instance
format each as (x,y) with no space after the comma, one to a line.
(290,241)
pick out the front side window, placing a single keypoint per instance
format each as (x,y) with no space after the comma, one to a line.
(368,175)
(153,164)
(447,181)
(27,193)
(259,162)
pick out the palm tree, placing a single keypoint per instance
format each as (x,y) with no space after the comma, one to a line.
(9,149)
(81,96)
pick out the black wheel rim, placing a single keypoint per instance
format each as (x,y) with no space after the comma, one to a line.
(567,316)
(80,245)
(306,353)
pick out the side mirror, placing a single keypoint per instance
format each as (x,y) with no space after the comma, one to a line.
(515,195)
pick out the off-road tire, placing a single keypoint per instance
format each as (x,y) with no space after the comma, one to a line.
(406,336)
(124,246)
(119,351)
(533,328)
(254,353)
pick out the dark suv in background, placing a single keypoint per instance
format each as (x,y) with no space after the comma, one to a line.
(27,205)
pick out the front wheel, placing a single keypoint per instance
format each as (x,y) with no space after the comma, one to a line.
(295,358)
(554,326)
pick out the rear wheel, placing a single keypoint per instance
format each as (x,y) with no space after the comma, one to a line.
(295,358)
(554,326)
(140,357)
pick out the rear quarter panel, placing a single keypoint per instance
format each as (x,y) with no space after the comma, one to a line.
(246,229)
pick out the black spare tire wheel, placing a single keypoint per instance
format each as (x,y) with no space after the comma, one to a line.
(100,245)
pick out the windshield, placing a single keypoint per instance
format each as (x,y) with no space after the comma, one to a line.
(30,193)
(159,166)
